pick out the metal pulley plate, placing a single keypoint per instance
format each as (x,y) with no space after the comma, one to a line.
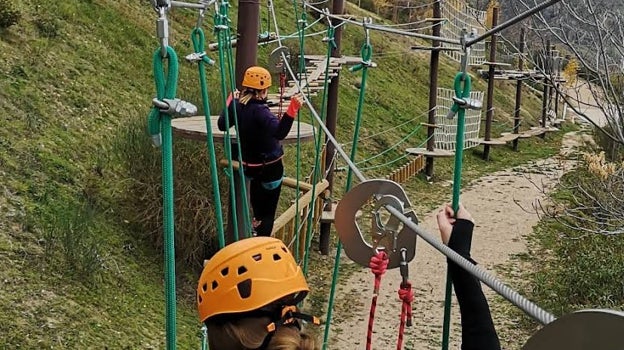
(276,61)
(390,236)
(582,330)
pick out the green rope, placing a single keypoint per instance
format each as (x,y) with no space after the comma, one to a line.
(395,160)
(462,92)
(366,54)
(241,173)
(160,123)
(391,148)
(221,26)
(198,38)
(331,44)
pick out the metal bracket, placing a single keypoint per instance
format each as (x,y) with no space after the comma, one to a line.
(388,236)
(202,56)
(468,103)
(276,61)
(175,107)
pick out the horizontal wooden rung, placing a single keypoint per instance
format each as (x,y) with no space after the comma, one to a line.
(427,153)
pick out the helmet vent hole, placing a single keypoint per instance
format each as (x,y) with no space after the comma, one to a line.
(276,257)
(241,270)
(225,272)
(214,285)
(244,288)
(285,250)
(199,298)
(257,257)
(205,287)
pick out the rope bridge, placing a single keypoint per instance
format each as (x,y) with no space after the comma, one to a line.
(461,16)
(446,129)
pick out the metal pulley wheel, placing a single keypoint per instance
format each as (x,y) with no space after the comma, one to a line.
(390,236)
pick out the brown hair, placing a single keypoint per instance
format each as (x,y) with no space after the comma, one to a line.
(250,332)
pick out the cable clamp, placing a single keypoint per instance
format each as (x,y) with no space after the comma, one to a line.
(199,56)
(175,107)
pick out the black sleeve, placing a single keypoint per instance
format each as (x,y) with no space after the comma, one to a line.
(221,120)
(478,331)
(278,128)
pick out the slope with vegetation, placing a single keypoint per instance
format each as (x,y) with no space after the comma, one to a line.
(79,180)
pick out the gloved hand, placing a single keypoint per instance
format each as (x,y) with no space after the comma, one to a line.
(295,104)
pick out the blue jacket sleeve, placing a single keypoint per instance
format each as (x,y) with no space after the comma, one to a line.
(478,331)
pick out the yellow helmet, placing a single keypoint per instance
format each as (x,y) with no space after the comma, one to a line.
(257,78)
(248,275)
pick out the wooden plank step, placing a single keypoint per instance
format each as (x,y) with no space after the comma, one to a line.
(329,216)
(435,153)
(491,142)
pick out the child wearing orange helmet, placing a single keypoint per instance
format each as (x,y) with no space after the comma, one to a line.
(260,133)
(247,296)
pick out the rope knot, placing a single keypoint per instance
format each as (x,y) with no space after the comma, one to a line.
(379,263)
(406,294)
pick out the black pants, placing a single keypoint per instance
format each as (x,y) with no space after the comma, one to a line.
(265,188)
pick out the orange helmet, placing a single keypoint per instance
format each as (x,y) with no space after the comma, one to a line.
(247,275)
(257,78)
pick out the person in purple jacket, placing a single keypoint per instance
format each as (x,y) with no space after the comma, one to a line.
(478,331)
(260,133)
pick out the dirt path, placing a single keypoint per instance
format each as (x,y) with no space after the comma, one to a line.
(496,202)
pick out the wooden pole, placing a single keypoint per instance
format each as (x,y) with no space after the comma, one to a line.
(489,113)
(332,112)
(516,129)
(546,87)
(433,87)
(246,53)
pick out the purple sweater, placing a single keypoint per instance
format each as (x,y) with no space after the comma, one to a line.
(260,131)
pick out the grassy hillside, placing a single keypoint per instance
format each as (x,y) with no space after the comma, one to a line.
(79,266)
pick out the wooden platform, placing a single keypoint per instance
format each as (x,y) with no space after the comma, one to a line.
(491,142)
(194,128)
(438,153)
(499,141)
(329,216)
(535,131)
(496,64)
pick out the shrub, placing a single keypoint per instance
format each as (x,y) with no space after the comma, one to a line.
(9,15)
(195,224)
(580,243)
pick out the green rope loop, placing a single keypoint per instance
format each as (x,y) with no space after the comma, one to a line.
(366,52)
(462,86)
(160,124)
(461,92)
(230,63)
(165,88)
(198,38)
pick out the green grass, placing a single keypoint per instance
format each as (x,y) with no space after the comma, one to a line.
(79,251)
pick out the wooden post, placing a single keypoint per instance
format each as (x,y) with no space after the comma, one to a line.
(516,129)
(546,87)
(332,111)
(246,53)
(489,113)
(433,86)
